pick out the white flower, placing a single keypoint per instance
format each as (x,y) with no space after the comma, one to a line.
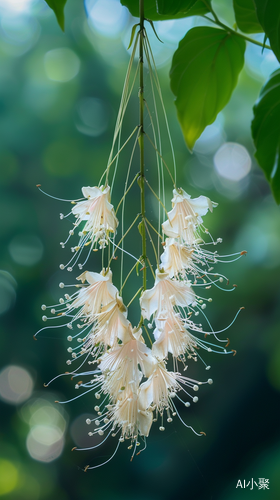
(110,325)
(172,336)
(164,294)
(176,258)
(132,417)
(162,386)
(98,213)
(156,390)
(186,216)
(100,292)
(120,365)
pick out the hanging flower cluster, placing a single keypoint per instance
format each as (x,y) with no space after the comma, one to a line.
(132,379)
(126,368)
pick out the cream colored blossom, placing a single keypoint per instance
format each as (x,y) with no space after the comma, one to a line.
(163,386)
(98,293)
(110,325)
(132,417)
(186,216)
(97,212)
(176,258)
(171,336)
(120,365)
(164,293)
(156,390)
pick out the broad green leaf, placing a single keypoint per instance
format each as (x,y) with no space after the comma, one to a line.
(268,12)
(204,72)
(151,12)
(166,7)
(246,17)
(266,132)
(58,7)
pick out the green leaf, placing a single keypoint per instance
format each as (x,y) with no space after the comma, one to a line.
(58,7)
(204,72)
(246,17)
(132,35)
(266,132)
(151,12)
(166,7)
(268,12)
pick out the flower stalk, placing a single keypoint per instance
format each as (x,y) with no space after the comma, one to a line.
(141,140)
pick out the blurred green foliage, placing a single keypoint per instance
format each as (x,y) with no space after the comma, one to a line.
(49,137)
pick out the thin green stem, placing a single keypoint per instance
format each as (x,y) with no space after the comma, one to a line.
(117,247)
(151,268)
(165,164)
(156,196)
(123,204)
(159,162)
(128,189)
(217,21)
(154,75)
(123,104)
(141,137)
(134,297)
(148,335)
(117,154)
(153,228)
(131,270)
(151,241)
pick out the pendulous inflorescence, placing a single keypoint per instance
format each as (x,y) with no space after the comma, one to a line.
(135,372)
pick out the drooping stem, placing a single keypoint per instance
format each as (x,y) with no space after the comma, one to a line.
(217,21)
(141,139)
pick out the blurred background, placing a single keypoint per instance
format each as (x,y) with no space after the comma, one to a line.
(59,97)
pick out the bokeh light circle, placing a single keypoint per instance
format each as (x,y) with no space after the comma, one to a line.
(26,250)
(61,65)
(45,443)
(93,116)
(232,161)
(108,17)
(8,476)
(17,6)
(16,384)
